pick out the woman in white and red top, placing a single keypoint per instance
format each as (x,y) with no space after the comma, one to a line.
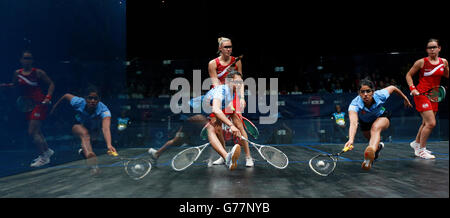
(430,69)
(218,69)
(28,80)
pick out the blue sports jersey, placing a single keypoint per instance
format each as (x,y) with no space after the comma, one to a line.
(339,117)
(89,120)
(123,121)
(222,92)
(377,109)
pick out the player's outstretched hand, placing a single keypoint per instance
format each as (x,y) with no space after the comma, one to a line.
(349,144)
(407,103)
(235,131)
(112,151)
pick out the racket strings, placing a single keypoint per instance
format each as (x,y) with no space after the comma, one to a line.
(185,158)
(434,95)
(25,104)
(274,156)
(441,93)
(251,128)
(137,168)
(323,164)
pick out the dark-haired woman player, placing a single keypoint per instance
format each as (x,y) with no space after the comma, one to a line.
(91,116)
(430,69)
(368,110)
(28,80)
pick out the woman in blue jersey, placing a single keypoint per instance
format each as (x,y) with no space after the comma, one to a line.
(339,125)
(368,110)
(219,101)
(91,116)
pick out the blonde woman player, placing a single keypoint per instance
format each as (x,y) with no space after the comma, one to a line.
(218,69)
(431,69)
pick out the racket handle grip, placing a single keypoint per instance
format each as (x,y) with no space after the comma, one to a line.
(112,153)
(347,148)
(242,137)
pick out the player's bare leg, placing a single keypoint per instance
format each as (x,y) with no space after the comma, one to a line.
(83,134)
(429,122)
(378,126)
(34,131)
(238,123)
(220,136)
(213,137)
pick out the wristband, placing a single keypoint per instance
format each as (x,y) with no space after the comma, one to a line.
(49,97)
(412,88)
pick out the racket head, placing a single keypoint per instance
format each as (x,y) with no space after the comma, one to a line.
(185,158)
(250,127)
(436,94)
(274,156)
(137,168)
(442,92)
(25,104)
(323,164)
(204,132)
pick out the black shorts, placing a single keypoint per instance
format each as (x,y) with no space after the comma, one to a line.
(94,129)
(367,126)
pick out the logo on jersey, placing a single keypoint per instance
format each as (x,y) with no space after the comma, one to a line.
(23,79)
(37,114)
(434,70)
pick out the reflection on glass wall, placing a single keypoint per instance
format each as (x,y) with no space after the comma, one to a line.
(55,55)
(49,49)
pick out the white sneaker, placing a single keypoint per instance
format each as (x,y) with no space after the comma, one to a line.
(40,161)
(219,161)
(152,152)
(417,148)
(414,145)
(233,156)
(48,153)
(80,151)
(249,162)
(153,155)
(425,154)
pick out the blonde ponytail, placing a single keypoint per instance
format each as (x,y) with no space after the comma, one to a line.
(221,40)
